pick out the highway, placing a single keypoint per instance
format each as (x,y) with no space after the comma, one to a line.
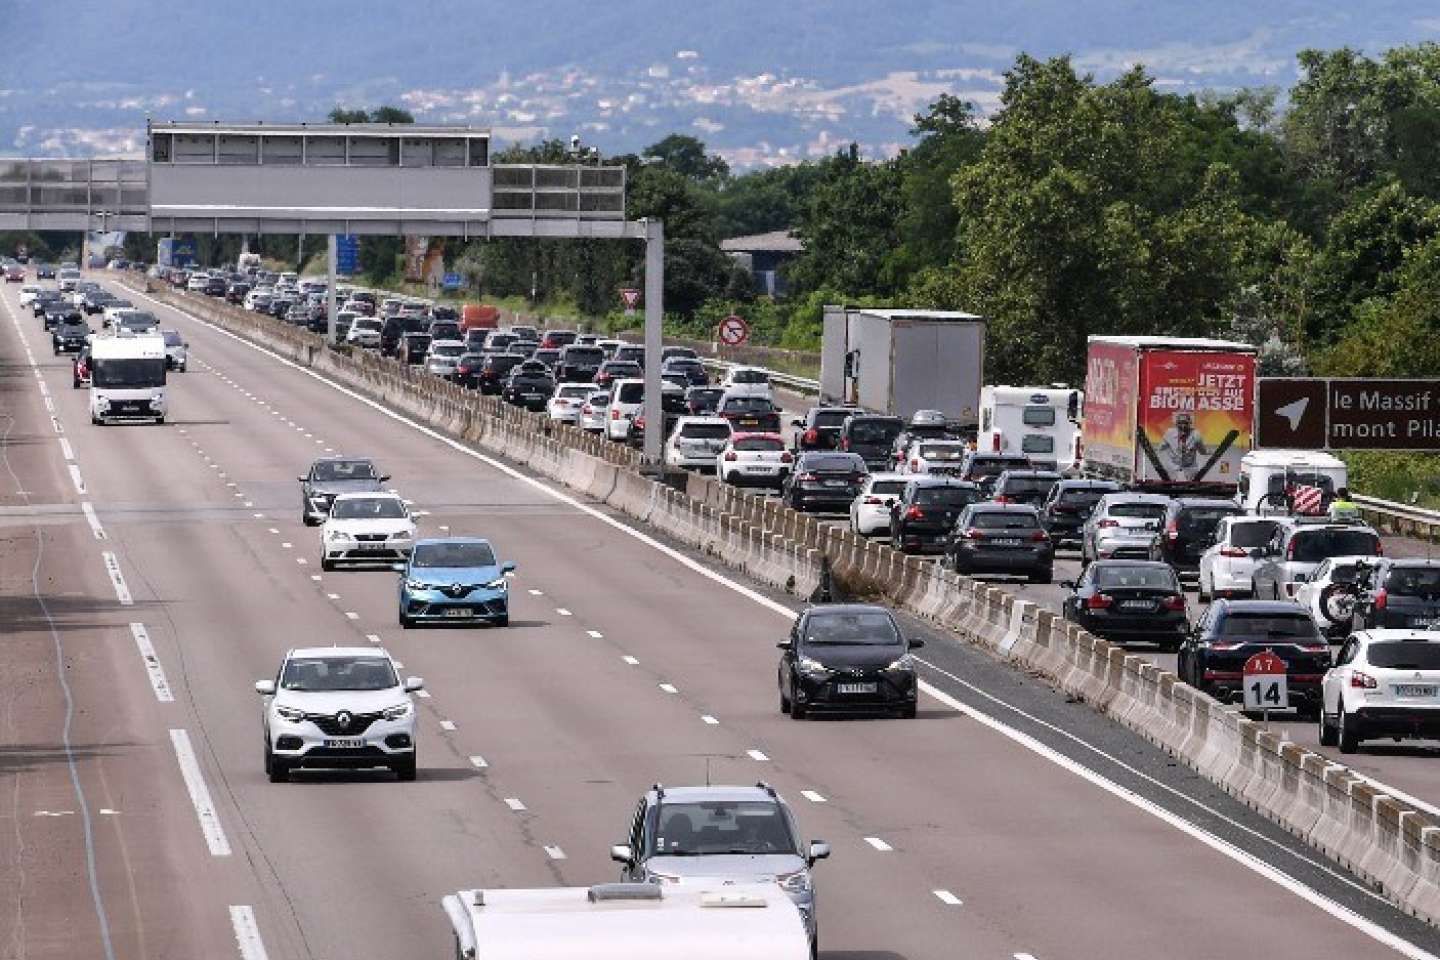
(152,574)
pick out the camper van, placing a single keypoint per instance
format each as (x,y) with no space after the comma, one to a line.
(1039,422)
(1268,479)
(127,378)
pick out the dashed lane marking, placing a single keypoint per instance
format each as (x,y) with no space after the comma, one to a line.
(373,637)
(247,933)
(478,762)
(630,660)
(117,579)
(88,509)
(596,634)
(812,796)
(66,449)
(948,898)
(514,803)
(879,844)
(668,688)
(555,853)
(210,826)
(76,479)
(151,660)
(757,755)
(447,724)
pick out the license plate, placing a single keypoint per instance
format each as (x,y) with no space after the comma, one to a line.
(349,744)
(758,469)
(531,396)
(834,483)
(460,613)
(750,423)
(1006,541)
(373,546)
(1414,690)
(1424,623)
(856,687)
(1137,604)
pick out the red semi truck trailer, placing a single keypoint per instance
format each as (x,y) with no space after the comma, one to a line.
(1168,413)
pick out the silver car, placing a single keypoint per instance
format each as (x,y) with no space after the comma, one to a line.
(730,833)
(443,357)
(1123,526)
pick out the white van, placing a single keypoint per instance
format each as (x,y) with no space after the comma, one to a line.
(622,921)
(1040,422)
(1267,475)
(127,379)
(627,399)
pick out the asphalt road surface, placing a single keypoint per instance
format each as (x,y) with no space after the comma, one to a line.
(150,575)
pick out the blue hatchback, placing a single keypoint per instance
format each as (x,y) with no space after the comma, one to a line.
(454,580)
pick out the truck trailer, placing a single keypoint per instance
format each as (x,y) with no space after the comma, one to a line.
(1170,414)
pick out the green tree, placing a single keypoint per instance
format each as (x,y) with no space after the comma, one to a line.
(385,114)
(686,156)
(850,227)
(949,138)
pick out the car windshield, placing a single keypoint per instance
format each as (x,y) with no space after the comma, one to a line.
(368,508)
(1312,546)
(946,496)
(1414,581)
(1137,511)
(1127,576)
(942,451)
(329,471)
(449,350)
(760,444)
(874,431)
(856,627)
(749,376)
(1268,625)
(755,827)
(328,674)
(1003,520)
(705,431)
(1252,534)
(128,374)
(453,555)
(1405,654)
(748,405)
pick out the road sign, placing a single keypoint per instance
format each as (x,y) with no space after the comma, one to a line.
(1264,679)
(734,330)
(451,281)
(1347,414)
(631,297)
(347,254)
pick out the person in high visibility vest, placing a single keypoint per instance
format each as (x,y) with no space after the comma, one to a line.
(1342,508)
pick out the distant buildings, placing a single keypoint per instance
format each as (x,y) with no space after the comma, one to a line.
(763,254)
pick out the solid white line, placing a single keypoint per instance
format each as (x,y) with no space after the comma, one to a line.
(88,509)
(66,449)
(478,762)
(1373,930)
(351,615)
(117,579)
(447,724)
(555,853)
(879,844)
(152,663)
(596,634)
(199,794)
(514,803)
(247,934)
(76,479)
(49,404)
(668,688)
(948,898)
(1024,956)
(709,719)
(812,796)
(757,755)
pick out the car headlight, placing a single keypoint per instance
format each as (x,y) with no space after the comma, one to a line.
(290,713)
(797,882)
(398,711)
(417,585)
(814,667)
(337,535)
(904,662)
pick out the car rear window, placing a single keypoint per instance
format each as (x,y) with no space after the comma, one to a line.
(748,405)
(946,496)
(1202,519)
(1081,498)
(1312,546)
(571,391)
(991,466)
(749,376)
(835,464)
(621,368)
(831,418)
(583,355)
(1158,578)
(449,350)
(1004,521)
(1037,443)
(1414,581)
(760,444)
(1142,511)
(875,431)
(1405,654)
(705,431)
(1252,534)
(1038,416)
(1041,485)
(630,393)
(1268,625)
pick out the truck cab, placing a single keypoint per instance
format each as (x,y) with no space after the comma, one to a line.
(1269,478)
(127,378)
(1040,422)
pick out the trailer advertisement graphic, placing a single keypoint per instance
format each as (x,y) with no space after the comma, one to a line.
(1110,406)
(1195,415)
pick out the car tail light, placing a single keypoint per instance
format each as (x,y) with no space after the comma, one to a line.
(1099,601)
(1290,550)
(787,457)
(845,443)
(1319,646)
(1172,532)
(1001,498)
(1233,552)
(811,435)
(1379,549)
(614,414)
(1363,681)
(1173,602)
(731,457)
(914,464)
(1225,647)
(914,513)
(1382,597)
(1108,523)
(873,501)
(995,441)
(1039,536)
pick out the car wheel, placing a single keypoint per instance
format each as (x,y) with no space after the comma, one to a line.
(1349,737)
(405,769)
(503,620)
(1329,736)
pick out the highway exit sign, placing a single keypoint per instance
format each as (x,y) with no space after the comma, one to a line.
(1315,413)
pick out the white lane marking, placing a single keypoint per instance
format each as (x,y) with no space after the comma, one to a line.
(373,637)
(199,794)
(66,449)
(54,813)
(258,516)
(563,612)
(537,593)
(316,577)
(247,933)
(117,579)
(514,803)
(88,509)
(332,596)
(630,660)
(948,898)
(152,663)
(757,755)
(287,545)
(668,688)
(107,812)
(76,479)
(447,724)
(249,504)
(49,403)
(351,615)
(423,694)
(55,422)
(1024,956)
(596,634)
(44,387)
(302,561)
(1331,907)
(879,844)
(812,796)
(398,664)
(555,853)
(711,721)
(478,762)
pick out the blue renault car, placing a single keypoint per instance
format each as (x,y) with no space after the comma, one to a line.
(454,580)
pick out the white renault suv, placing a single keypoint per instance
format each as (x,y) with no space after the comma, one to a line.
(1385,683)
(338,707)
(366,528)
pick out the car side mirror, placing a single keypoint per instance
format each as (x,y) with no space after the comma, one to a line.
(621,853)
(414,684)
(785,645)
(916,644)
(302,479)
(1067,584)
(819,850)
(265,688)
(508,566)
(385,478)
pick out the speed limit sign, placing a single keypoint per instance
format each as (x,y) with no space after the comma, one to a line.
(1264,681)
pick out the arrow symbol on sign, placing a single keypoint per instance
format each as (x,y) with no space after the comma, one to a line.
(1294,411)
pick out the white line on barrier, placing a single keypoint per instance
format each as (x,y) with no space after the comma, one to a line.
(199,794)
(117,579)
(88,509)
(247,934)
(757,755)
(152,663)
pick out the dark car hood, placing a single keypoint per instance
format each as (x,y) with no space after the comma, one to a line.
(841,656)
(343,486)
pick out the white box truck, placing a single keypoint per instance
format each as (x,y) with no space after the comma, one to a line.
(901,361)
(127,379)
(699,920)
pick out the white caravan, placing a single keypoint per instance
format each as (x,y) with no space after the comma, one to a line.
(1266,476)
(1040,422)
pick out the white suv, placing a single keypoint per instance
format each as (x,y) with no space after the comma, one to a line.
(339,707)
(627,400)
(1227,566)
(1385,683)
(695,442)
(366,528)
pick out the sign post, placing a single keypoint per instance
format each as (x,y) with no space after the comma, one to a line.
(1264,680)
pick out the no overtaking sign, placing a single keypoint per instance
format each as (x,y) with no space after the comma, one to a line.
(734,330)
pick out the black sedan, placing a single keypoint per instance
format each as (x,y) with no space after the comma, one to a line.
(824,481)
(69,336)
(467,369)
(529,385)
(1129,600)
(926,510)
(1003,538)
(1068,507)
(689,370)
(1230,632)
(819,429)
(750,414)
(702,401)
(495,370)
(847,657)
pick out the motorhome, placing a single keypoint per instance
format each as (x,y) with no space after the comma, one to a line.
(1270,478)
(127,379)
(1040,422)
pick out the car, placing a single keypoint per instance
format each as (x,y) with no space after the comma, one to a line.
(1187,530)
(564,405)
(344,320)
(467,369)
(328,478)
(925,511)
(338,707)
(529,385)
(1212,658)
(696,442)
(1065,510)
(579,363)
(42,300)
(45,271)
(672,406)
(454,580)
(702,401)
(177,351)
(527,349)
(95,301)
(547,356)
(57,313)
(524,332)
(197,283)
(414,347)
(495,370)
(754,459)
(612,370)
(1000,538)
(1227,566)
(732,834)
(366,528)
(627,398)
(80,368)
(1129,600)
(749,413)
(1329,594)
(608,346)
(136,322)
(443,356)
(824,480)
(1122,526)
(1384,683)
(595,412)
(985,468)
(499,341)
(28,293)
(445,330)
(847,657)
(690,371)
(558,339)
(1025,486)
(819,429)
(237,291)
(630,352)
(15,273)
(259,301)
(364,332)
(69,335)
(923,424)
(870,510)
(1295,549)
(1397,593)
(748,382)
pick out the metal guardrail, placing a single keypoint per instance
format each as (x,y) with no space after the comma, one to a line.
(797,384)
(1401,518)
